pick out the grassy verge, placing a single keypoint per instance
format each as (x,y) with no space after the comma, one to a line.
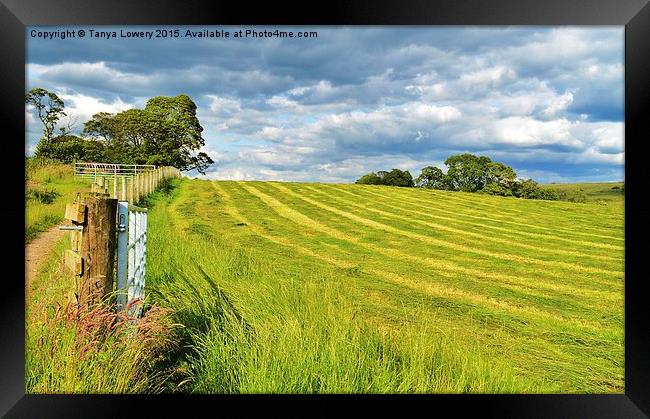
(49,187)
(96,351)
(99,351)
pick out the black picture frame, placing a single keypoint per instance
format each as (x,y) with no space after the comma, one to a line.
(15,15)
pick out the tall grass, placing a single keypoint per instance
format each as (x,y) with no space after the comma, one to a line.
(68,350)
(252,328)
(49,186)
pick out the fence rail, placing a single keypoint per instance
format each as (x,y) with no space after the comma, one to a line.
(96,170)
(132,187)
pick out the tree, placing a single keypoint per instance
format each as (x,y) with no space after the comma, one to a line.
(501,174)
(49,109)
(432,177)
(397,177)
(177,133)
(468,172)
(496,189)
(101,126)
(369,179)
(526,188)
(529,189)
(68,148)
(166,132)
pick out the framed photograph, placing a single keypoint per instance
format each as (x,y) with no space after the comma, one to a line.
(302,210)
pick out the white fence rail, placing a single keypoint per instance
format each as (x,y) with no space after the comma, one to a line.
(97,170)
(125,182)
(131,257)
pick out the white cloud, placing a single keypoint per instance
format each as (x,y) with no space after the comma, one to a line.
(488,77)
(360,100)
(558,104)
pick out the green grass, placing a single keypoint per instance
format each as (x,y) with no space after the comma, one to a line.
(302,288)
(67,351)
(319,288)
(603,193)
(49,187)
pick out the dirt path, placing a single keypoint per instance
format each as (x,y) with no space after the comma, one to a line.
(38,250)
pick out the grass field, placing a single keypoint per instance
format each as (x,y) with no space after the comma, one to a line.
(290,287)
(48,188)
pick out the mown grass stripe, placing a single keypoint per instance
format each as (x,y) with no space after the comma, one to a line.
(547,209)
(354,232)
(538,281)
(442,243)
(427,287)
(435,206)
(470,211)
(574,358)
(438,207)
(438,264)
(460,232)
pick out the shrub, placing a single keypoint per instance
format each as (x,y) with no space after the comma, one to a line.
(68,148)
(395,177)
(496,189)
(44,197)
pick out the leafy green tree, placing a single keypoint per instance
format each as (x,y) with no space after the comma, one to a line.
(177,133)
(529,189)
(166,132)
(102,126)
(49,109)
(369,179)
(397,177)
(432,177)
(501,174)
(496,189)
(467,172)
(68,148)
(526,188)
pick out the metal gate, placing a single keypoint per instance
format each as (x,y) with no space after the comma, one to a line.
(131,257)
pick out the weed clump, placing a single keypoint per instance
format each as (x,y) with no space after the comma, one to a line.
(99,350)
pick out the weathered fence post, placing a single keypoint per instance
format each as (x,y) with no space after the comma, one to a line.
(97,249)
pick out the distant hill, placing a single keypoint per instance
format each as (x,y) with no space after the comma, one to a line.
(605,192)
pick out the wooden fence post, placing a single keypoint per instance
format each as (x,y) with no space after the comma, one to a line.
(123,196)
(131,190)
(97,249)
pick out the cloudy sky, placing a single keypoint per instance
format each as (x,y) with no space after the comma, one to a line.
(546,100)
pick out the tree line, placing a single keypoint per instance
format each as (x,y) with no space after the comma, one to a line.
(166,132)
(468,173)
